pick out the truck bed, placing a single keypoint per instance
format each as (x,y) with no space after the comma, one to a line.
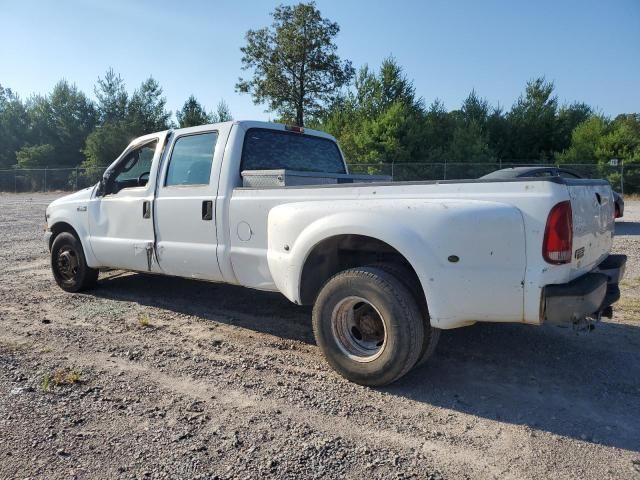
(518,206)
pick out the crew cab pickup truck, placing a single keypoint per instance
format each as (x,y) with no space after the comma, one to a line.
(385,265)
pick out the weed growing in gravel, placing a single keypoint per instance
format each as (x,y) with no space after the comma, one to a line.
(45,383)
(66,377)
(143,320)
(59,378)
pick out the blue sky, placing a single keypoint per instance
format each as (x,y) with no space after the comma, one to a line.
(591,50)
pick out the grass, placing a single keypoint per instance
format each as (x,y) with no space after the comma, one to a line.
(66,377)
(144,321)
(59,378)
(45,385)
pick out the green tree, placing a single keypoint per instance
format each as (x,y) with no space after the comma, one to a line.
(113,100)
(147,109)
(73,117)
(598,140)
(438,131)
(63,119)
(111,136)
(475,110)
(36,156)
(104,145)
(470,138)
(532,122)
(568,118)
(622,141)
(585,142)
(14,124)
(295,66)
(379,121)
(222,113)
(124,119)
(498,132)
(192,114)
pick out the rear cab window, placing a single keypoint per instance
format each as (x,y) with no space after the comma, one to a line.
(266,149)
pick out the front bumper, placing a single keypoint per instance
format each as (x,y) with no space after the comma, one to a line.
(588,296)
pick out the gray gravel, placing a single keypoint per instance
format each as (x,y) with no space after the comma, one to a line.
(150,377)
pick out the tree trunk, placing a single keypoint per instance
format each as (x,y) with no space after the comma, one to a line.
(300,115)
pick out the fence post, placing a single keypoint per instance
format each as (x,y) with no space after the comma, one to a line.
(15,181)
(44,186)
(445,169)
(393,163)
(76,182)
(622,176)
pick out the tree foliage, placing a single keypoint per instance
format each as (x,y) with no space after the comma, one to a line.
(295,67)
(379,119)
(14,125)
(598,140)
(192,114)
(122,118)
(222,113)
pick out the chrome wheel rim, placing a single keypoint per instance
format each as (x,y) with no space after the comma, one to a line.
(67,263)
(359,329)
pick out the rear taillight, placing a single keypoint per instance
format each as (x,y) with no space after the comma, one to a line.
(558,235)
(616,211)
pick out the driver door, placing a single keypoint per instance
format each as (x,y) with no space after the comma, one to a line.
(120,216)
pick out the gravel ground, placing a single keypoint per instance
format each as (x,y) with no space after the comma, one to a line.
(150,377)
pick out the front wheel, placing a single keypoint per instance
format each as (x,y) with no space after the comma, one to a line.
(69,265)
(368,325)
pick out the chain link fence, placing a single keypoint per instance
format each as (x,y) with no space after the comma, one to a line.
(48,179)
(622,178)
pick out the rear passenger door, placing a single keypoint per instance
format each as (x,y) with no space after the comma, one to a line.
(185,202)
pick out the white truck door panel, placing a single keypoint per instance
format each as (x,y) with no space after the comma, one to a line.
(120,221)
(185,220)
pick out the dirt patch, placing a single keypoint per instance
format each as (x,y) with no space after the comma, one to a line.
(164,378)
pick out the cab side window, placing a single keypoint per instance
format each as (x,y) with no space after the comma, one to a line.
(191,159)
(133,170)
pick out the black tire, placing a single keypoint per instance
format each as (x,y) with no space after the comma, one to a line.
(69,265)
(431,334)
(368,325)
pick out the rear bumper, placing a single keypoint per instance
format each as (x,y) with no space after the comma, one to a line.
(587,296)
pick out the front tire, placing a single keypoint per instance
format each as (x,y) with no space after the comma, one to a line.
(368,325)
(69,265)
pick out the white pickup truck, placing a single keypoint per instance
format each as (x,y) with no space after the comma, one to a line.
(386,265)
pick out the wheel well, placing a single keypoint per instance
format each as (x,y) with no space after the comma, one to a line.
(342,252)
(60,227)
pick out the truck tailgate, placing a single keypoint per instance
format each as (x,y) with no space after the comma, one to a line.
(593,222)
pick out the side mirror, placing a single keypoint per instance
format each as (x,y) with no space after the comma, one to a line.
(102,186)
